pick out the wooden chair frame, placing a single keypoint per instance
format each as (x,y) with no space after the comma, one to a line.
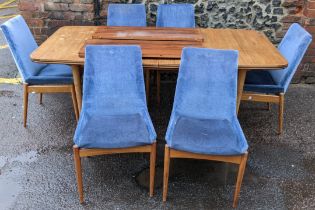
(237,159)
(80,152)
(277,99)
(47,89)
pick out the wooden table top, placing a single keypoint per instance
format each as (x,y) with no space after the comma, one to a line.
(256,51)
(148,33)
(156,43)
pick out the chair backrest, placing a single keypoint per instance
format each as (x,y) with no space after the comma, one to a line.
(293,47)
(207,84)
(126,15)
(21,43)
(176,15)
(113,80)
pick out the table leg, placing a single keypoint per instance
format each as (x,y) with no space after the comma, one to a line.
(147,84)
(158,87)
(77,85)
(240,86)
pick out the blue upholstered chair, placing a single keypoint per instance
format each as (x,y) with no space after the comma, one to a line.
(203,122)
(39,78)
(173,15)
(126,15)
(271,85)
(176,15)
(114,117)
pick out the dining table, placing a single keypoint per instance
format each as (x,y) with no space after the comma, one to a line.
(161,48)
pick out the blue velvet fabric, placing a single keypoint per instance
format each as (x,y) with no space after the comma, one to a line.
(52,74)
(262,82)
(21,43)
(292,47)
(126,15)
(204,116)
(176,15)
(114,111)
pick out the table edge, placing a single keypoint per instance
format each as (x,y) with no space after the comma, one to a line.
(278,67)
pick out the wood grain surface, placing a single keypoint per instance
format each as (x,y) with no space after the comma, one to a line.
(255,50)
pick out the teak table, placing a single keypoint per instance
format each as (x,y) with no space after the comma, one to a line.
(66,46)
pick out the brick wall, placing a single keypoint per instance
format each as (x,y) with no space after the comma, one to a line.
(307,73)
(273,17)
(46,16)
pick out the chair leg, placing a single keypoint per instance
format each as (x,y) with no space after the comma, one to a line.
(25,104)
(269,106)
(40,98)
(239,180)
(281,109)
(152,168)
(78,172)
(74,101)
(166,171)
(158,87)
(147,84)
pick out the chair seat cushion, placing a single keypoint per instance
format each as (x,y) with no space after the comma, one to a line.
(208,136)
(52,74)
(262,82)
(111,131)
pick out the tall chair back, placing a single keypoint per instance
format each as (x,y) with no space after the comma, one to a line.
(113,73)
(21,43)
(293,47)
(176,15)
(207,84)
(126,15)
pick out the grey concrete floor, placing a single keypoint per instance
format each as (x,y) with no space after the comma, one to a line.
(37,171)
(8,68)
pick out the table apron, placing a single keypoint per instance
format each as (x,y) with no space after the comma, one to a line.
(156,67)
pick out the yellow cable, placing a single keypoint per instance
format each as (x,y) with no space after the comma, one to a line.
(3,47)
(7,7)
(7,16)
(13,81)
(7,2)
